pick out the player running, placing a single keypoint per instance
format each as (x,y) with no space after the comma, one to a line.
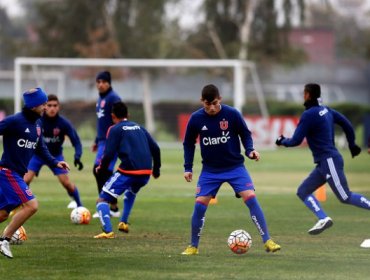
(317,125)
(107,97)
(54,130)
(140,158)
(21,140)
(221,128)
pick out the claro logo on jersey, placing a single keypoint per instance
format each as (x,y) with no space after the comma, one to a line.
(24,143)
(216,140)
(135,127)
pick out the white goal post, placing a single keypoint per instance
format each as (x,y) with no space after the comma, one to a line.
(239,68)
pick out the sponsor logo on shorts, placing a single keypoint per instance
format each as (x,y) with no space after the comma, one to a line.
(29,192)
(197,190)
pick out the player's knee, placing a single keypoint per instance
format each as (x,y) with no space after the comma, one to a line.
(301,194)
(345,200)
(3,215)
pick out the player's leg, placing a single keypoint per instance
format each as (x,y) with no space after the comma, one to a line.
(305,193)
(71,188)
(207,187)
(134,184)
(28,177)
(338,183)
(34,167)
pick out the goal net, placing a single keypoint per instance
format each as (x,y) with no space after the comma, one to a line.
(158,91)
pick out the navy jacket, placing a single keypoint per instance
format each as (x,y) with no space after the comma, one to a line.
(21,139)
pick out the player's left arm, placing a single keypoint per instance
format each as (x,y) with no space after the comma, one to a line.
(111,148)
(43,152)
(156,154)
(246,138)
(190,139)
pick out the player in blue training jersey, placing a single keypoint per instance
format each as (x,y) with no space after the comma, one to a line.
(21,140)
(220,129)
(317,125)
(140,157)
(107,97)
(54,130)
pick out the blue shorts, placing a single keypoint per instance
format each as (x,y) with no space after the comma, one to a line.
(209,183)
(13,190)
(36,164)
(119,183)
(330,170)
(100,153)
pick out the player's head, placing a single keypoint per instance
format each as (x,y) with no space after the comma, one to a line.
(35,99)
(211,99)
(312,91)
(52,106)
(119,111)
(103,81)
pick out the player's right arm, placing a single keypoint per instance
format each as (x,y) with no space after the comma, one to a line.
(190,139)
(299,134)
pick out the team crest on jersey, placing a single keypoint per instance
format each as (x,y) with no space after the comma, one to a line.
(224,124)
(38,130)
(102,104)
(56,131)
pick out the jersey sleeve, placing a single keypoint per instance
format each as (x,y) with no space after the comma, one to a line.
(75,140)
(154,149)
(346,125)
(190,139)
(245,134)
(4,125)
(43,152)
(111,147)
(299,134)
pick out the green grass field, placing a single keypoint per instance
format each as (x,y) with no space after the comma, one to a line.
(160,228)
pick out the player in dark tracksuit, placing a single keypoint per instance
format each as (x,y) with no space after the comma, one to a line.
(54,129)
(21,140)
(107,97)
(317,125)
(140,157)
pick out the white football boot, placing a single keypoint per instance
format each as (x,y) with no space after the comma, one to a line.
(321,225)
(5,249)
(72,205)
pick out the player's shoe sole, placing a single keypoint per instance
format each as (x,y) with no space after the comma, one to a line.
(271,246)
(5,249)
(320,226)
(190,250)
(123,227)
(104,235)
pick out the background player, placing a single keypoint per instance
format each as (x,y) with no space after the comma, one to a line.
(140,157)
(21,140)
(107,97)
(220,128)
(317,125)
(54,130)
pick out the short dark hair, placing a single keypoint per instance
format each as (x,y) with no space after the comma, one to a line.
(119,109)
(210,92)
(53,97)
(313,89)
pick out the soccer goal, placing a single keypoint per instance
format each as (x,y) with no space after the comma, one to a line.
(145,81)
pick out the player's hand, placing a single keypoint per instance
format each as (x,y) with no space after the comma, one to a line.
(63,165)
(279,140)
(188,176)
(355,150)
(78,164)
(254,155)
(94,147)
(156,173)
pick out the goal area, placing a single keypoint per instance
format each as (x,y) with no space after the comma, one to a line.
(146,82)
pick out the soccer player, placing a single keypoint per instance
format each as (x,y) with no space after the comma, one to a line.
(317,125)
(140,158)
(21,140)
(107,96)
(220,129)
(54,130)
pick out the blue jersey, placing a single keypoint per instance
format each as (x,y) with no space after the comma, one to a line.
(21,139)
(54,131)
(136,149)
(317,125)
(220,137)
(103,113)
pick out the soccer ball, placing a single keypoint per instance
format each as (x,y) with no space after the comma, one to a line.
(239,241)
(80,215)
(19,236)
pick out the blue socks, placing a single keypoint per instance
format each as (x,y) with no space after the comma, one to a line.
(359,201)
(128,203)
(314,205)
(257,217)
(197,222)
(76,196)
(104,215)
